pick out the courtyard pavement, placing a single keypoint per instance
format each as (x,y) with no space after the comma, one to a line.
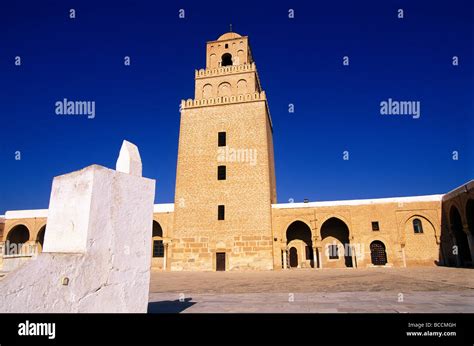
(385,290)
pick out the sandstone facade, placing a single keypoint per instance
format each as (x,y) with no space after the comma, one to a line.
(225,215)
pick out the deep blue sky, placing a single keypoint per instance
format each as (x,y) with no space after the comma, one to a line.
(299,61)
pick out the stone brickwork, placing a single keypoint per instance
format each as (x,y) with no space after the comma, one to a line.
(228,99)
(257,233)
(394,217)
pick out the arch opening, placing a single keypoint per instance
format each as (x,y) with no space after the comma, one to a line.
(462,245)
(40,238)
(298,240)
(16,239)
(293,257)
(336,243)
(226,59)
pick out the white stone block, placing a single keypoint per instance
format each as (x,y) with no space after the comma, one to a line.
(129,160)
(69,211)
(98,239)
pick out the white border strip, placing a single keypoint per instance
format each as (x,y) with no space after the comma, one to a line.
(26,214)
(428,198)
(169,207)
(163,208)
(43,213)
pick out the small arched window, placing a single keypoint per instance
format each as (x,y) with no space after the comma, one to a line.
(207,91)
(417,226)
(224,89)
(158,249)
(226,60)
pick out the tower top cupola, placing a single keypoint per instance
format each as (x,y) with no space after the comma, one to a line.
(230,49)
(228,36)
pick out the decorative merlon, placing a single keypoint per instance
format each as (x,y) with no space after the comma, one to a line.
(190,103)
(202,73)
(129,160)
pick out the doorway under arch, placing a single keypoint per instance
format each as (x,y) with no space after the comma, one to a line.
(378,254)
(298,237)
(293,257)
(336,243)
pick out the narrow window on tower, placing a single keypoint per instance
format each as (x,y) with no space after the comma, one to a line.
(222,139)
(375,226)
(220,212)
(221,172)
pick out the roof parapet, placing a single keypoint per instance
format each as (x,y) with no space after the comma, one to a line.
(226,70)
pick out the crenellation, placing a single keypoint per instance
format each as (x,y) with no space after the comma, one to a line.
(228,70)
(222,100)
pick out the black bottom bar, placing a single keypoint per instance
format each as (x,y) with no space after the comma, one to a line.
(316,329)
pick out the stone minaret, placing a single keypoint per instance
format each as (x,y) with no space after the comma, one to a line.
(225,179)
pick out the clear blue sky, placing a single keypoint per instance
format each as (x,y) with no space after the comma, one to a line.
(299,61)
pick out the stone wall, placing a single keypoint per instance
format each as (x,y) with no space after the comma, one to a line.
(394,217)
(246,192)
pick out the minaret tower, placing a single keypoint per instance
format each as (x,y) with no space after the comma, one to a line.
(225,179)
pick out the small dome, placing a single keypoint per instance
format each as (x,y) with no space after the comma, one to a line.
(228,36)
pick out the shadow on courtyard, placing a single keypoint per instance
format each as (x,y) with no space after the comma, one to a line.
(169,306)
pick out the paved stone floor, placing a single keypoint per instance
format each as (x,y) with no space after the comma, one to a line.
(391,290)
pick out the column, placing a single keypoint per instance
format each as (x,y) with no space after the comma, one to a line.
(2,252)
(315,258)
(353,256)
(320,258)
(285,266)
(404,257)
(165,254)
(27,248)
